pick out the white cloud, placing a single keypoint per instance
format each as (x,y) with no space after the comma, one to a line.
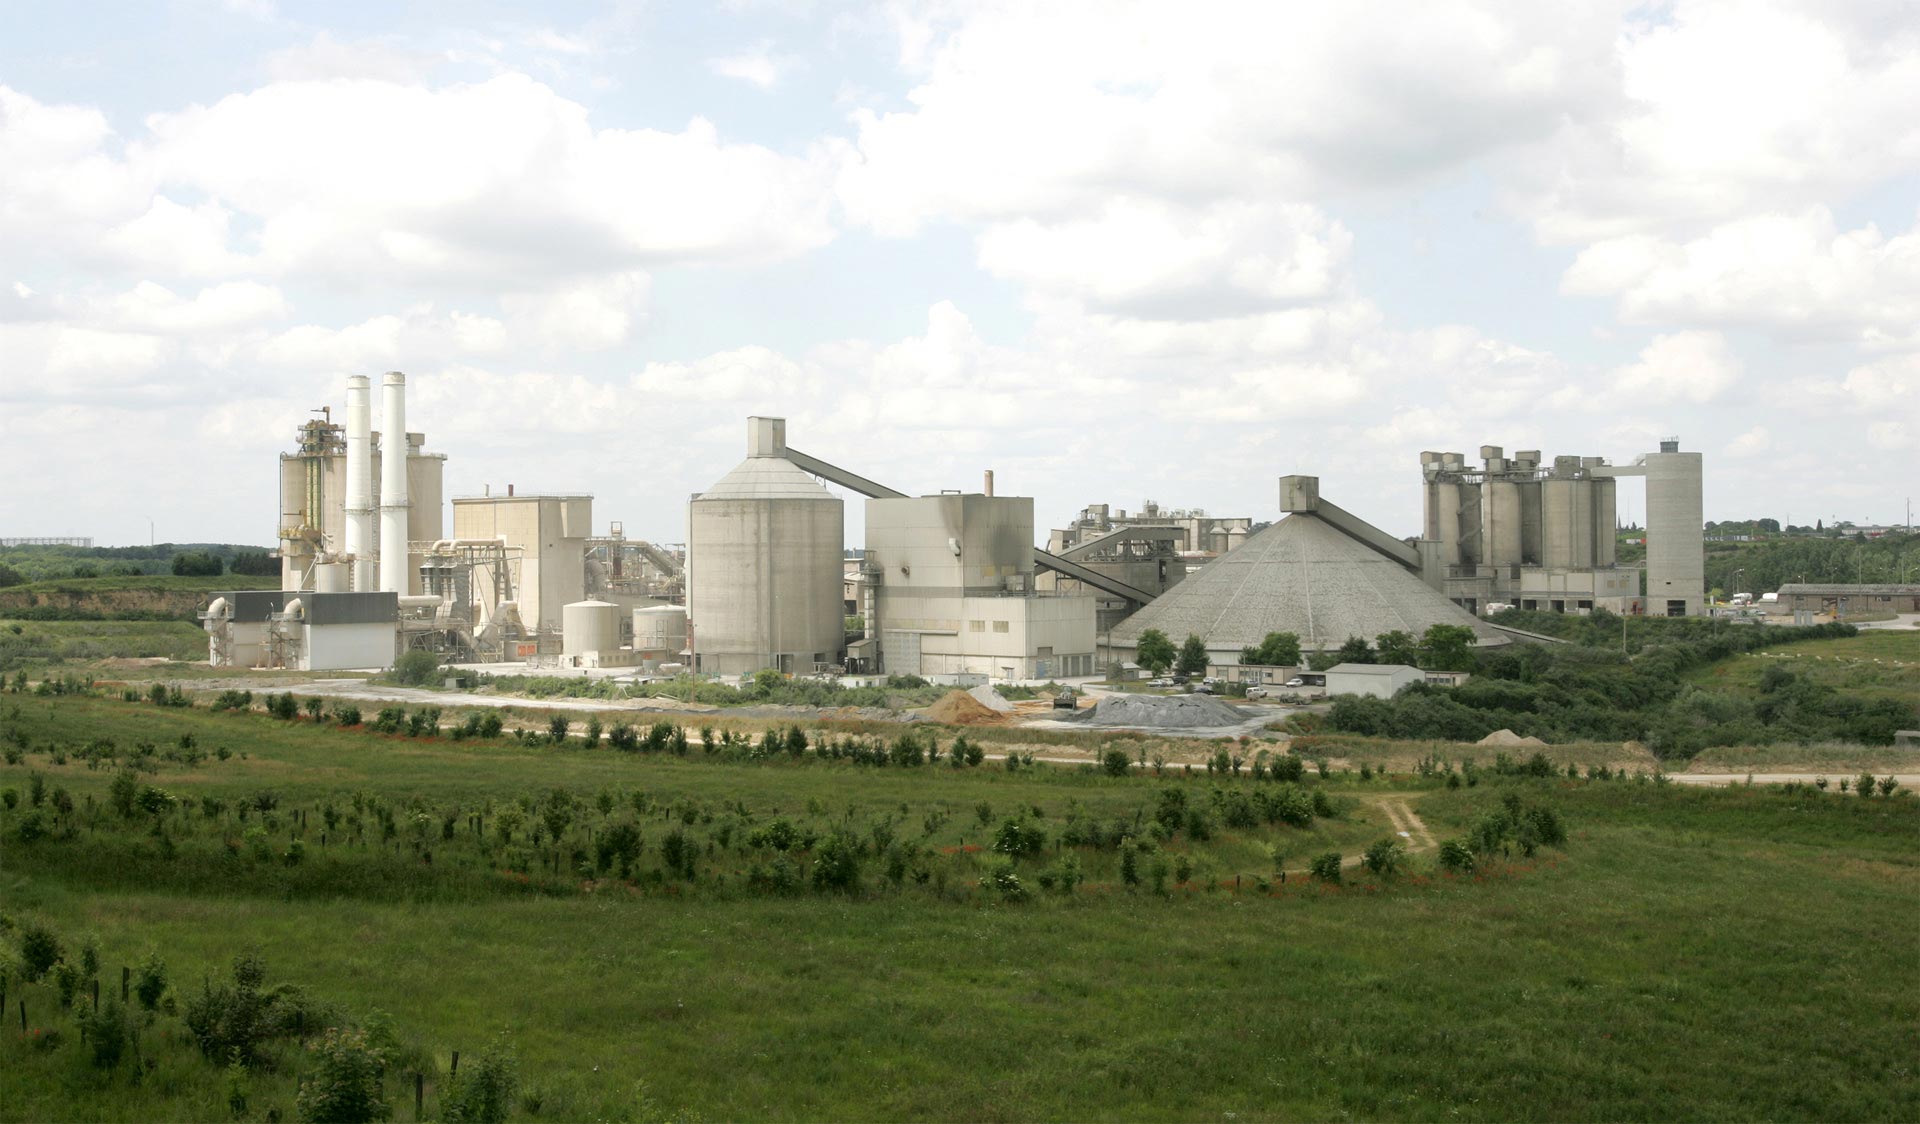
(1034,109)
(1149,258)
(413,339)
(758,66)
(1728,109)
(589,315)
(1682,367)
(324,57)
(1785,273)
(1753,442)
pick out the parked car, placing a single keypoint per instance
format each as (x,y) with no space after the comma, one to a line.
(1160,682)
(1256,692)
(1296,681)
(1202,689)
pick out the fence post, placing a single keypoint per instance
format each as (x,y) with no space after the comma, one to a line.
(125,974)
(419,1095)
(451,1070)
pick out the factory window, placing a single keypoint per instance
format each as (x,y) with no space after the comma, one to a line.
(1000,626)
(976,626)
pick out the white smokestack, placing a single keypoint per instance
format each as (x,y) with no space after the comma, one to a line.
(359,540)
(393,483)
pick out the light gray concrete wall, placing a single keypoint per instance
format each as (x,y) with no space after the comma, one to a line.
(763,583)
(338,647)
(1676,538)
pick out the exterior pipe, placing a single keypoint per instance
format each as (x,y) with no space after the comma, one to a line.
(393,483)
(359,506)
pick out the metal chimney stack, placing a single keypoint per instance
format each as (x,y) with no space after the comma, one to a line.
(393,483)
(359,507)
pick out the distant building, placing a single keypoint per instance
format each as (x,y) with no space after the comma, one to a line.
(1843,599)
(1381,680)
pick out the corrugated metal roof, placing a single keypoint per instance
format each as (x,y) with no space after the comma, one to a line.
(351,608)
(1830,589)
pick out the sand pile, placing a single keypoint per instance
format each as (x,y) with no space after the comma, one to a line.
(1175,712)
(988,697)
(958,708)
(1508,737)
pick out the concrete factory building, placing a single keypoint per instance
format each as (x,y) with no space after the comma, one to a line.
(329,536)
(1513,531)
(1320,573)
(764,565)
(301,631)
(547,534)
(954,589)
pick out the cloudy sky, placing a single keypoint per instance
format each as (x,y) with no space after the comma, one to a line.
(1113,251)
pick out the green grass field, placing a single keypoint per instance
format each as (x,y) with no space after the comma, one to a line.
(159,583)
(1878,663)
(1689,954)
(38,645)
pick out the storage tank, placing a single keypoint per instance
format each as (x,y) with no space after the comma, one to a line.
(660,628)
(764,564)
(330,577)
(589,626)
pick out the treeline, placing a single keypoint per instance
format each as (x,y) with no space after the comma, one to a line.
(1582,693)
(1776,562)
(20,565)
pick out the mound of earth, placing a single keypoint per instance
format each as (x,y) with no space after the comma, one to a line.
(959,708)
(1162,712)
(1508,737)
(988,697)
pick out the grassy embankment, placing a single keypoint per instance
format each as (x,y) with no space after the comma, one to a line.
(1727,953)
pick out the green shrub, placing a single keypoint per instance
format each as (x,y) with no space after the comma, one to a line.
(416,668)
(104,1029)
(39,952)
(1114,763)
(347,715)
(1017,838)
(1385,858)
(1326,867)
(341,1082)
(557,726)
(836,865)
(1456,856)
(150,981)
(483,1092)
(1001,880)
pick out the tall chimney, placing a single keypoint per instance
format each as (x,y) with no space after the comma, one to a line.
(989,481)
(359,506)
(393,483)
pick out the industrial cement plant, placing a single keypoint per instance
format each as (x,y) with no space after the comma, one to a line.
(947,585)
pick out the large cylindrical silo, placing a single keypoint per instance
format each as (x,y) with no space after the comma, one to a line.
(764,562)
(1500,519)
(1556,518)
(589,626)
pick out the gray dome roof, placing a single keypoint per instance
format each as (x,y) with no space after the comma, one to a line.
(767,478)
(1303,576)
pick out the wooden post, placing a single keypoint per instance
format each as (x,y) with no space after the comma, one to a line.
(96,993)
(125,974)
(419,1096)
(23,1016)
(451,1070)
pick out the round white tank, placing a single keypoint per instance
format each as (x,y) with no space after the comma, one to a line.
(660,628)
(330,577)
(589,626)
(764,570)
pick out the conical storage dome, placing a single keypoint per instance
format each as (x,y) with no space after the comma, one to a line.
(1303,576)
(768,478)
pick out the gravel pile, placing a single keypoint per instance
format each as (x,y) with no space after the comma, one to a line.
(1162,712)
(988,697)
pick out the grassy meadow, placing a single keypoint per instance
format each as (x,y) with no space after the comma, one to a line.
(1685,954)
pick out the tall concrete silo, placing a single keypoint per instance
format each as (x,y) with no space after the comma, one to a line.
(764,564)
(1676,535)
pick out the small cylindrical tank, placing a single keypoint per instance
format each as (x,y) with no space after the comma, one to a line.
(589,626)
(660,628)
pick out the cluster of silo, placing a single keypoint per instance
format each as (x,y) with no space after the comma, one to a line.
(1509,511)
(764,565)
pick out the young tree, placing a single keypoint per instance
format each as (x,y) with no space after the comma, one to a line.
(1355,650)
(1155,652)
(1193,656)
(1277,649)
(1447,647)
(1397,647)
